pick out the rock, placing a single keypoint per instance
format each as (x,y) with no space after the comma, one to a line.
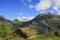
(24,32)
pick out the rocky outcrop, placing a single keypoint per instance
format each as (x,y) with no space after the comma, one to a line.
(24,32)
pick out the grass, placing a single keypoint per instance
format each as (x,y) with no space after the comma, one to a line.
(39,37)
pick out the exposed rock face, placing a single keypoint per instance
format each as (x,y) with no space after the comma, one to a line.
(24,32)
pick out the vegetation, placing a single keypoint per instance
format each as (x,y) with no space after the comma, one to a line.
(46,25)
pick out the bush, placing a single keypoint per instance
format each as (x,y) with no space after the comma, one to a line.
(57,33)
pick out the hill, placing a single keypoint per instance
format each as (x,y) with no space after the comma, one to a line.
(44,23)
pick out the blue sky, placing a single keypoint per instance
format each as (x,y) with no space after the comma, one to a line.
(12,9)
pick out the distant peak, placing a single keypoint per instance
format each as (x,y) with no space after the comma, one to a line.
(45,13)
(25,18)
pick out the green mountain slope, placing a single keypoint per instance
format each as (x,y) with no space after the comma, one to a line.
(6,22)
(44,23)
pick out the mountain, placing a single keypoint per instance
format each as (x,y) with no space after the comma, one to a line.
(2,18)
(5,22)
(47,22)
(44,23)
(19,22)
(25,19)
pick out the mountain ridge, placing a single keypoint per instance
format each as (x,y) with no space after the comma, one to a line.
(43,23)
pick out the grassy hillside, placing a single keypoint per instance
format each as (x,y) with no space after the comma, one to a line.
(46,25)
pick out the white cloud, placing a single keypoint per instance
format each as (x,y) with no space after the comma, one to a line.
(29,0)
(57,5)
(55,8)
(31,6)
(58,12)
(45,4)
(20,14)
(57,2)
